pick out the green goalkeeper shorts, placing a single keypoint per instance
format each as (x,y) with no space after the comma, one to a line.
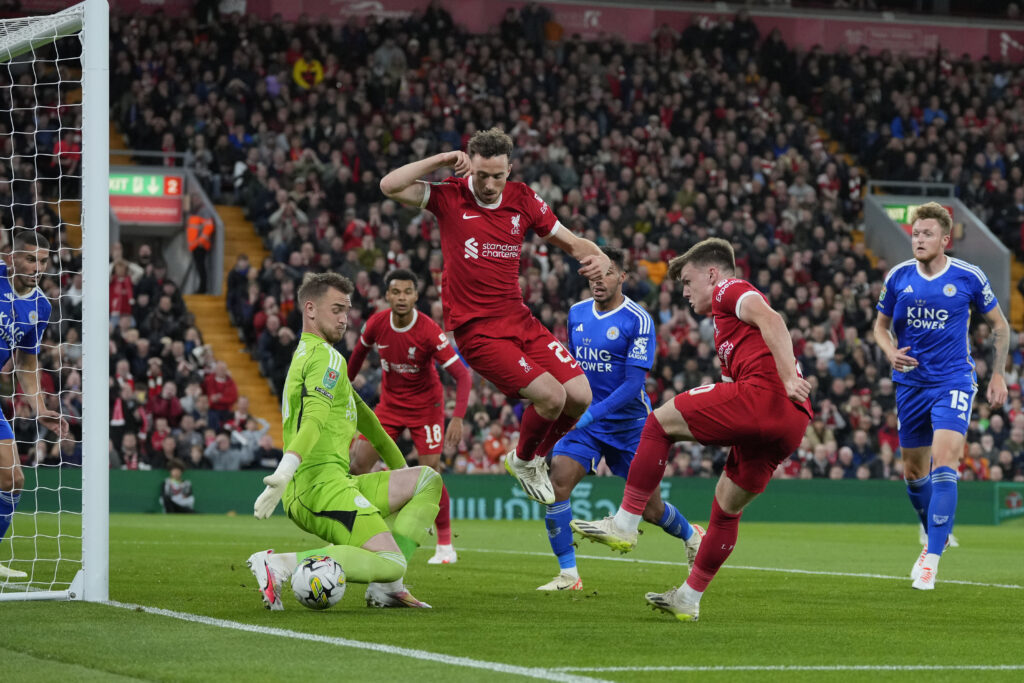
(341,509)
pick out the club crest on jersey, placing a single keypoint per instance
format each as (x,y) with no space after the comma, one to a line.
(412,352)
(33,317)
(524,365)
(330,378)
(515,224)
(949,290)
(612,333)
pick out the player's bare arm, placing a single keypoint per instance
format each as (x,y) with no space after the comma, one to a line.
(997,391)
(593,262)
(899,358)
(404,185)
(754,311)
(27,372)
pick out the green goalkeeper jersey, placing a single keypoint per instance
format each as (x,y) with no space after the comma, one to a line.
(319,396)
(322,413)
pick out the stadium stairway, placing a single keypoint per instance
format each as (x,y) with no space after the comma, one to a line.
(212,319)
(210,310)
(1016,318)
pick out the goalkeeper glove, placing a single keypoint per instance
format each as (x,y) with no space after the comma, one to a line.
(585,419)
(276,482)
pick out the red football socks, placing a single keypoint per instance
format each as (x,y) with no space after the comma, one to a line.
(443,519)
(559,428)
(715,548)
(648,467)
(532,429)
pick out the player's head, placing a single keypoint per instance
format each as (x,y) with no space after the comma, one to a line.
(30,253)
(930,227)
(325,299)
(608,287)
(401,290)
(490,160)
(703,266)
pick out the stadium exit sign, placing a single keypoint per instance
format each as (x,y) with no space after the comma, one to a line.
(142,185)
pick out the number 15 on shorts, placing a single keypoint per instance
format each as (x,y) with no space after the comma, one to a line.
(959,400)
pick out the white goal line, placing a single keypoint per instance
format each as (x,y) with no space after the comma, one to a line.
(421,655)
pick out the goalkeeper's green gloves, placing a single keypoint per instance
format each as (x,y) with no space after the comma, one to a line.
(276,483)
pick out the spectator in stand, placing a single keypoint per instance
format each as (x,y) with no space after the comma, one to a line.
(221,391)
(226,454)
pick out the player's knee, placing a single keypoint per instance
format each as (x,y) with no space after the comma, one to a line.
(428,484)
(11,479)
(391,567)
(551,401)
(577,399)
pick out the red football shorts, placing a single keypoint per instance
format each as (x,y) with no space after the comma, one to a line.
(511,352)
(763,427)
(427,437)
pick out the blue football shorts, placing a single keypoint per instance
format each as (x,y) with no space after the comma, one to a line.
(923,409)
(587,447)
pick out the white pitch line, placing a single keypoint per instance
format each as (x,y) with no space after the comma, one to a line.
(422,655)
(797,667)
(886,577)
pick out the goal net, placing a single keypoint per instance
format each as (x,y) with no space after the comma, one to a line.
(53,152)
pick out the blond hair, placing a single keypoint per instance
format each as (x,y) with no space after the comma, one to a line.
(935,211)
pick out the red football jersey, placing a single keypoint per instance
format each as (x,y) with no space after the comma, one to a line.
(411,387)
(481,244)
(741,349)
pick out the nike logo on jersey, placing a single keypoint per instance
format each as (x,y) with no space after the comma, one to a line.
(382,346)
(467,216)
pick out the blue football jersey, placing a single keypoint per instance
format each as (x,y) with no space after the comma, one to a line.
(932,316)
(23,319)
(605,344)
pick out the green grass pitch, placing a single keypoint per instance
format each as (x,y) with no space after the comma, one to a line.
(487,611)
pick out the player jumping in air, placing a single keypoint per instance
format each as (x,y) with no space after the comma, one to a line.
(613,340)
(411,394)
(760,409)
(321,415)
(484,220)
(24,315)
(926,302)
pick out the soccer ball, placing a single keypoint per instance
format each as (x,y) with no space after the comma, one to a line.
(318,582)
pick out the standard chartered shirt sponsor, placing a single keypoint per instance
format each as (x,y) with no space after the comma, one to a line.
(492,250)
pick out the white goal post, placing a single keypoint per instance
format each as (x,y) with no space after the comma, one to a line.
(43,537)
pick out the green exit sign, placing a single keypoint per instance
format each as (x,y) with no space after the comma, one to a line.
(144,185)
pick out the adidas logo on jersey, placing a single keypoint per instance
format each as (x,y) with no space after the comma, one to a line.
(908,290)
(9,296)
(579,328)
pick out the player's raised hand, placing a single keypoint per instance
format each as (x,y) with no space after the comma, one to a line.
(594,266)
(797,388)
(453,436)
(458,161)
(997,392)
(901,361)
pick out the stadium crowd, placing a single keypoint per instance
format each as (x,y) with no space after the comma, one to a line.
(650,147)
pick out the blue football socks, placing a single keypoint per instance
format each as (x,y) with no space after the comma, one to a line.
(673,522)
(560,533)
(8,501)
(920,492)
(941,509)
